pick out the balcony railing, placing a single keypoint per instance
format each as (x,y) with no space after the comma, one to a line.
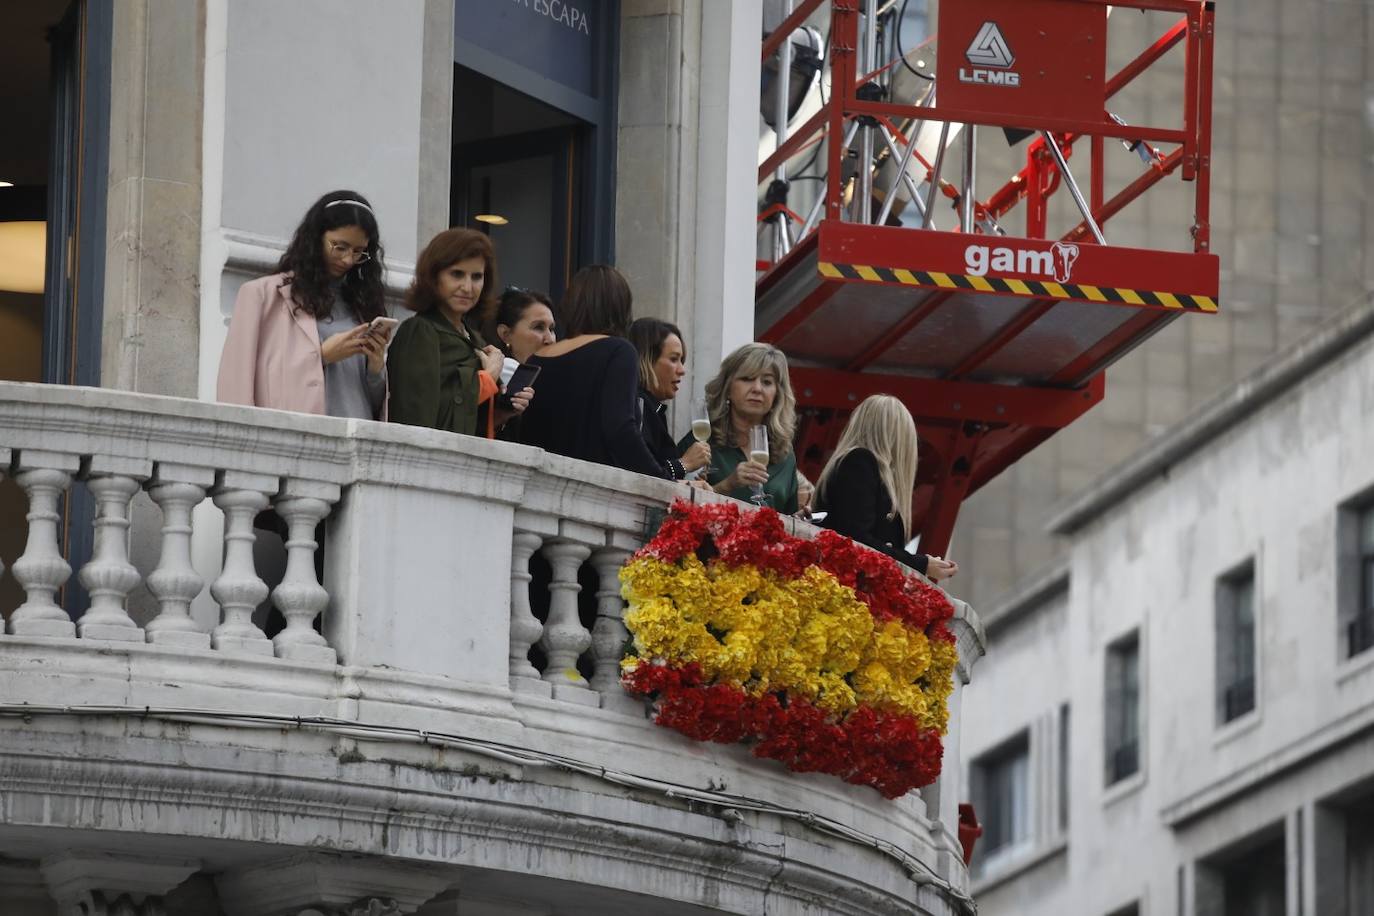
(1238,698)
(428,620)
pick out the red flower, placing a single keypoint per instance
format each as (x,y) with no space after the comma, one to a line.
(891,753)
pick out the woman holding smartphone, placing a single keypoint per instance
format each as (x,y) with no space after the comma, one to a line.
(443,374)
(865,488)
(302,338)
(662,365)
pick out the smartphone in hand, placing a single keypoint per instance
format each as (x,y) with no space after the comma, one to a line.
(382,327)
(523,377)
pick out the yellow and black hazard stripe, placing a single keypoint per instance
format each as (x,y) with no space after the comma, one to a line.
(1041,288)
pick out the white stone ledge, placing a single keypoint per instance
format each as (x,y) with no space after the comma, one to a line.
(309,791)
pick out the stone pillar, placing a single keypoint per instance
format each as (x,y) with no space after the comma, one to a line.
(525,628)
(175,583)
(688,166)
(238,589)
(329,885)
(565,639)
(110,884)
(609,633)
(1324,868)
(300,597)
(152,260)
(109,576)
(41,571)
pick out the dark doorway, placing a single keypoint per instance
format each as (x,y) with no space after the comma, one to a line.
(55,92)
(518,174)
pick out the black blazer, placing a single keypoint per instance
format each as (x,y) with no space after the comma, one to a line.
(653,427)
(584,407)
(857,505)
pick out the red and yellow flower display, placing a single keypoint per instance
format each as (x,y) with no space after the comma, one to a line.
(822,653)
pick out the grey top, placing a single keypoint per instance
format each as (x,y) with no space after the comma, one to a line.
(349,389)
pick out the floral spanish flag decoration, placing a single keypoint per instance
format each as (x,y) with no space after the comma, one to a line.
(822,654)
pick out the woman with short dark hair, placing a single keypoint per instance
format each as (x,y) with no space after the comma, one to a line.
(662,365)
(443,374)
(588,380)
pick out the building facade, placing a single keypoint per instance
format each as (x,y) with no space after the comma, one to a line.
(1180,720)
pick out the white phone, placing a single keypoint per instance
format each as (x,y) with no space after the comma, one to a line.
(383,326)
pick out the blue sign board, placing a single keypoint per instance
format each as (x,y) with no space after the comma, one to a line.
(557,40)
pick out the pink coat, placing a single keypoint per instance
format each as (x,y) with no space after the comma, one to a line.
(272,354)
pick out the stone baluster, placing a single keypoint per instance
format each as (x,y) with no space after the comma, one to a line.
(109,576)
(238,589)
(5,456)
(525,628)
(565,639)
(609,633)
(41,571)
(177,490)
(300,597)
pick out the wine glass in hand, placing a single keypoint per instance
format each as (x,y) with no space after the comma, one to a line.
(758,454)
(701,430)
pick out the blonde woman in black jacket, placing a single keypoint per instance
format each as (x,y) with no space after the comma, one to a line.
(865,488)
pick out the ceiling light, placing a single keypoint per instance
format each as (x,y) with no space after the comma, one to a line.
(6,184)
(491,218)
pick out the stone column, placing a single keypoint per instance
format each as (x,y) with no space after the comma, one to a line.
(41,571)
(109,576)
(177,490)
(238,589)
(609,633)
(565,639)
(300,597)
(86,883)
(525,628)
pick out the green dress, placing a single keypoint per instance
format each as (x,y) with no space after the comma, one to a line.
(433,373)
(781,488)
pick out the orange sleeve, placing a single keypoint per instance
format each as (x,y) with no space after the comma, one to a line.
(487,391)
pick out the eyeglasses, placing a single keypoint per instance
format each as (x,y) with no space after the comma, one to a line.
(345,252)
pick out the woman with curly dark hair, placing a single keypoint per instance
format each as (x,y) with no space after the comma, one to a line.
(301,338)
(444,375)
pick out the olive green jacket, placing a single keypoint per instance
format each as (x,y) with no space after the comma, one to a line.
(433,373)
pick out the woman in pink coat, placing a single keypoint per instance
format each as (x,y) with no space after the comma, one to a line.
(300,339)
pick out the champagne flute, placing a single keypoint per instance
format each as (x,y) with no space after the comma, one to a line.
(758,453)
(701,429)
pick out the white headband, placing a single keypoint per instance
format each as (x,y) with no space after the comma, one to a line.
(356,203)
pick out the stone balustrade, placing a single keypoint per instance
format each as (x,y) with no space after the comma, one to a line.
(425,620)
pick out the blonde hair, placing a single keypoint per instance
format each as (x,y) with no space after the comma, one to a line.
(751,361)
(882,425)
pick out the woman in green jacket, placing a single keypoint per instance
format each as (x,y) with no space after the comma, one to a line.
(443,374)
(752,389)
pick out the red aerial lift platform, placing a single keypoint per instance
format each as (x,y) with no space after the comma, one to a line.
(994,341)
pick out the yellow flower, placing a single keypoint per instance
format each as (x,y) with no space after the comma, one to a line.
(809,636)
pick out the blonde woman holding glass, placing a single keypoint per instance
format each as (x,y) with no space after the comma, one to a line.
(752,389)
(865,488)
